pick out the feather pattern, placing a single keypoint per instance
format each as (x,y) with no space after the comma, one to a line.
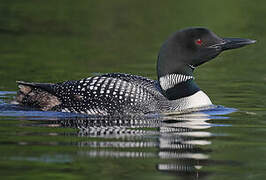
(170,80)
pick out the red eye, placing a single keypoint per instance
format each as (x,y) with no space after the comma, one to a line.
(199,41)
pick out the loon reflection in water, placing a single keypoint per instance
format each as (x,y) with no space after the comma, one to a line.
(179,138)
(116,94)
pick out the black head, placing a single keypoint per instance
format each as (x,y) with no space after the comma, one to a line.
(189,48)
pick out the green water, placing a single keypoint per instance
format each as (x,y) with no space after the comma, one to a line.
(51,41)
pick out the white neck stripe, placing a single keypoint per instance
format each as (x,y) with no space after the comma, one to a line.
(170,80)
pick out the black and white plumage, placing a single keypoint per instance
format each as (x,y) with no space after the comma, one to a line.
(119,94)
(108,94)
(170,80)
(100,95)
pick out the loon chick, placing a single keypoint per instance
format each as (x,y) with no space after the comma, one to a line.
(118,94)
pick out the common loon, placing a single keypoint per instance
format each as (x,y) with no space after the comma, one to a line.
(120,94)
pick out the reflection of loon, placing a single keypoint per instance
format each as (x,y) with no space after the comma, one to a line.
(116,93)
(176,141)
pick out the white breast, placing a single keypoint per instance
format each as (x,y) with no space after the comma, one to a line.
(197,100)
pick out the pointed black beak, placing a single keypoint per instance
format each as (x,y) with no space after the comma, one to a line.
(233,43)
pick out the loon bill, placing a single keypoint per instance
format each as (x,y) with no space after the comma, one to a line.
(119,94)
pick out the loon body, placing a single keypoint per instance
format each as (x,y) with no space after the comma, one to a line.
(118,94)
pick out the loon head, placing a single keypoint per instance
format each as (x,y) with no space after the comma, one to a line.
(187,49)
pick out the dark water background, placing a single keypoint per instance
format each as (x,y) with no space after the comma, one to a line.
(51,41)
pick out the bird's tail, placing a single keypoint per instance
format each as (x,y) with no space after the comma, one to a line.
(36,95)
